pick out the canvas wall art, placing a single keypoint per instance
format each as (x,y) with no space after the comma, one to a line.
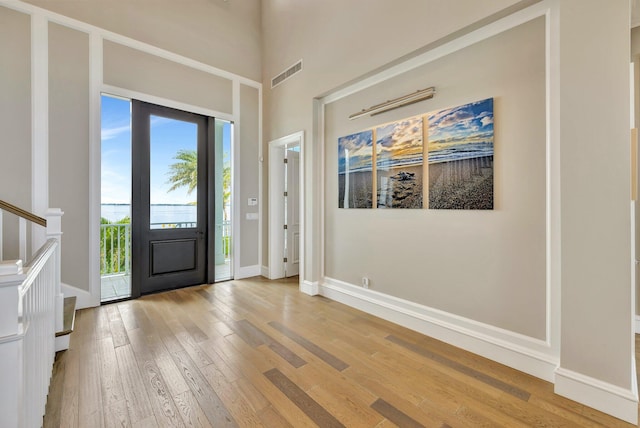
(399,164)
(460,157)
(355,170)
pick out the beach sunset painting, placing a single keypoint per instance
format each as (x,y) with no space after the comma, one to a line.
(399,163)
(355,170)
(461,157)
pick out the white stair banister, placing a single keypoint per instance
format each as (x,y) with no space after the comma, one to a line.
(54,231)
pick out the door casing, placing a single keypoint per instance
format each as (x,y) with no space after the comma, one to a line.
(276,204)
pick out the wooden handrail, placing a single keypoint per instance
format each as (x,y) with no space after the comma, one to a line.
(22,213)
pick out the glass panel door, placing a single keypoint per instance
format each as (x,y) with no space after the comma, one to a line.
(169,198)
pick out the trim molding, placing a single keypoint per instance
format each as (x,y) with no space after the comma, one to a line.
(84,299)
(247,272)
(310,288)
(264,271)
(637,324)
(524,353)
(614,400)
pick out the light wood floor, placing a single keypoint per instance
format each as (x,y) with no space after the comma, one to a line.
(260,353)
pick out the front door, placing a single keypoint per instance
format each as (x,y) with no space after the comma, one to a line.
(169,198)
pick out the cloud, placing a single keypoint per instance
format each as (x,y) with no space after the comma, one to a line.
(486,120)
(111,133)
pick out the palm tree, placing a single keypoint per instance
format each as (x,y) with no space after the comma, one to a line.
(185,172)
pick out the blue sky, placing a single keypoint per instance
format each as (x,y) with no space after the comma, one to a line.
(469,124)
(116,153)
(400,143)
(360,149)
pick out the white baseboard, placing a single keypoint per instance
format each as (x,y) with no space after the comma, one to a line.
(310,288)
(83,297)
(527,354)
(247,272)
(614,400)
(637,325)
(264,271)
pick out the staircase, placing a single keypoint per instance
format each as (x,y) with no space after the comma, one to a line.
(35,318)
(68,321)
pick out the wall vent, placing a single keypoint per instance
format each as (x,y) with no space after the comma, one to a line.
(295,68)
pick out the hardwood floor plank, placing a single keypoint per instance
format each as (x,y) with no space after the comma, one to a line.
(117,415)
(90,389)
(256,337)
(133,384)
(260,353)
(328,358)
(118,332)
(129,318)
(190,410)
(271,418)
(236,403)
(300,398)
(69,406)
(496,383)
(209,401)
(109,373)
(394,415)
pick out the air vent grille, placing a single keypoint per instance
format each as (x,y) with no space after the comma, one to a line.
(295,68)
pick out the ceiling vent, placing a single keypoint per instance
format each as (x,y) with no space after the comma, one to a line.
(295,68)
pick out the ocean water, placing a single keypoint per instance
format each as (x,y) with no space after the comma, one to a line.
(159,213)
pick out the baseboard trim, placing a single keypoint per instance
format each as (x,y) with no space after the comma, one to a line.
(614,400)
(637,324)
(310,288)
(84,299)
(265,271)
(247,272)
(527,354)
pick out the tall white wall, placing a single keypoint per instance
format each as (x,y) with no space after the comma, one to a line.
(15,121)
(225,34)
(594,153)
(339,42)
(590,299)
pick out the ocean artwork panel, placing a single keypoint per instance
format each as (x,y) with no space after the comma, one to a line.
(399,164)
(461,157)
(355,170)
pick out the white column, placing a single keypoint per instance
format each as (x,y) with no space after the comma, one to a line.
(54,230)
(39,123)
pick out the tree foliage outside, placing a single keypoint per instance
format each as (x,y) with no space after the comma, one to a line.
(114,241)
(184,173)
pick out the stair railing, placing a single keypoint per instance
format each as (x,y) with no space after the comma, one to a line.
(31,306)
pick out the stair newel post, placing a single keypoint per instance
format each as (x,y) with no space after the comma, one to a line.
(54,230)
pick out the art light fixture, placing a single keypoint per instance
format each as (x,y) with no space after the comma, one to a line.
(421,95)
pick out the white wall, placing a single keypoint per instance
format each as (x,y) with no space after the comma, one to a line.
(595,165)
(590,300)
(69,146)
(339,42)
(484,265)
(216,32)
(15,121)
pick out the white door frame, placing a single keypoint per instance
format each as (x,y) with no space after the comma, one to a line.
(276,204)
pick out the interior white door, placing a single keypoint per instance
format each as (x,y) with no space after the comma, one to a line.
(292,201)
